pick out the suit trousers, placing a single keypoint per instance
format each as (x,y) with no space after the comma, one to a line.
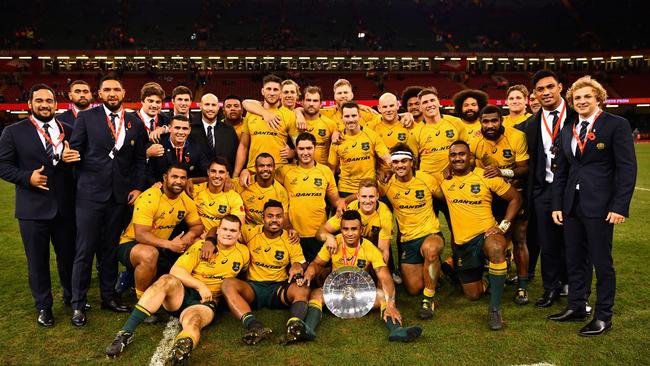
(589,241)
(99,226)
(36,236)
(550,240)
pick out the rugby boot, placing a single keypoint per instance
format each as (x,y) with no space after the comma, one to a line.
(494,319)
(180,353)
(405,334)
(521,297)
(122,339)
(256,335)
(426,311)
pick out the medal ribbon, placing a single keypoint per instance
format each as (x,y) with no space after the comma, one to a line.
(144,122)
(46,136)
(119,128)
(345,254)
(581,144)
(557,126)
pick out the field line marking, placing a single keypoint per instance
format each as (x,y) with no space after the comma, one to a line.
(166,343)
(537,364)
(642,189)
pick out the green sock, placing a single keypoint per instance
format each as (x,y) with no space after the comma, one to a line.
(314,314)
(390,324)
(250,321)
(138,315)
(523,281)
(497,276)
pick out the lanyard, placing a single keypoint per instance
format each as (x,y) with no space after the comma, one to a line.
(557,126)
(47,136)
(356,253)
(588,136)
(155,122)
(119,128)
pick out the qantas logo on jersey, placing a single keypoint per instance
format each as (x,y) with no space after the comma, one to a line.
(359,158)
(410,207)
(435,149)
(269,266)
(307,194)
(467,202)
(265,133)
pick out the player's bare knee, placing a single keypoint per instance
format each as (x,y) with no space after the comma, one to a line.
(146,256)
(316,295)
(472,295)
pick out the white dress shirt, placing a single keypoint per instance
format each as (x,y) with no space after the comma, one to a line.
(547,139)
(121,134)
(55,135)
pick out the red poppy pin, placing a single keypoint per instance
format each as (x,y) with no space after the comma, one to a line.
(187,159)
(591,136)
(128,125)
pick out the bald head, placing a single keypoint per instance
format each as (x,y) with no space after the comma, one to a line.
(209,107)
(388,107)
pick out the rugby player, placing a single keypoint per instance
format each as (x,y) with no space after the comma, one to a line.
(356,155)
(503,152)
(268,284)
(477,237)
(212,201)
(190,291)
(233,113)
(146,248)
(309,184)
(353,250)
(411,195)
(516,100)
(81,97)
(343,94)
(155,123)
(467,104)
(410,102)
(317,124)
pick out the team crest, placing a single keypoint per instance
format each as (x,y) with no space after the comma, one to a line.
(361,263)
(222,209)
(321,132)
(181,214)
(365,146)
(507,153)
(419,194)
(279,255)
(475,188)
(318,182)
(449,133)
(401,136)
(236,266)
(374,229)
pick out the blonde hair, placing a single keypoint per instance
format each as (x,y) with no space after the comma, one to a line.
(291,82)
(583,82)
(342,82)
(520,88)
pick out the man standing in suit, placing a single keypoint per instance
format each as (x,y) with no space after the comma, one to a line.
(592,190)
(214,138)
(30,153)
(151,97)
(543,130)
(81,98)
(108,147)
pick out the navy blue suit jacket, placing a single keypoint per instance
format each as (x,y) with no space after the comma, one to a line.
(606,171)
(98,176)
(194,160)
(22,152)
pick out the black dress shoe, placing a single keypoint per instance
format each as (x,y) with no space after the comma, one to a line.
(45,318)
(67,303)
(115,306)
(595,328)
(547,299)
(569,315)
(78,318)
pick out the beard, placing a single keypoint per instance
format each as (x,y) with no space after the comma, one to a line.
(114,108)
(469,118)
(41,117)
(82,104)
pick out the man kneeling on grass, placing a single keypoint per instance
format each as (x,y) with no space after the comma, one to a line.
(355,251)
(190,291)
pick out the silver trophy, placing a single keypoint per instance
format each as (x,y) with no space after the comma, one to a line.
(349,292)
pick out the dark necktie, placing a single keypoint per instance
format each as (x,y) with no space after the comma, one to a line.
(210,138)
(49,150)
(113,117)
(151,124)
(581,136)
(555,120)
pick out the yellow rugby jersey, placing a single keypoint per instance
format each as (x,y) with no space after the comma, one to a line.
(322,128)
(307,190)
(378,225)
(270,257)
(392,134)
(356,158)
(431,142)
(510,121)
(225,264)
(368,119)
(470,203)
(508,149)
(238,129)
(266,139)
(473,131)
(255,196)
(153,208)
(412,203)
(369,255)
(213,207)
